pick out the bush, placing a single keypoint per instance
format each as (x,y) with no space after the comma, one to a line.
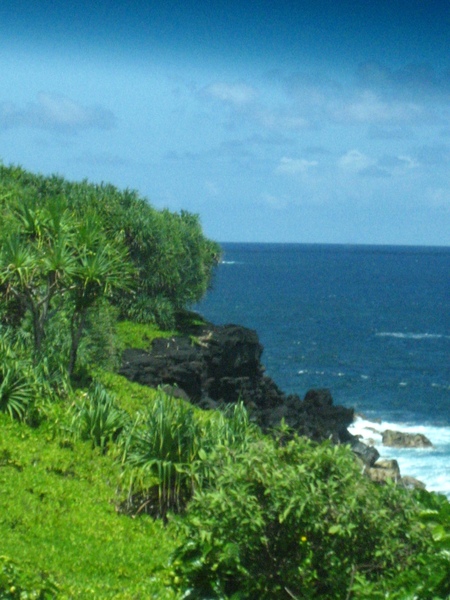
(431,578)
(295,521)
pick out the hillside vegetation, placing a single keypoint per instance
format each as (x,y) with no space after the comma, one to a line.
(112,490)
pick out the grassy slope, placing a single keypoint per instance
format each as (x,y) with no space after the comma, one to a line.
(58,508)
(57,515)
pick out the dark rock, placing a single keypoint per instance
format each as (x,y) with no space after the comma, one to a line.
(174,361)
(318,399)
(368,454)
(398,439)
(233,351)
(224,366)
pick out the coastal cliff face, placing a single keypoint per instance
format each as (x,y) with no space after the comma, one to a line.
(223,366)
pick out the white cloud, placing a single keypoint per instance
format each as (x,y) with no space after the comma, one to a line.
(370,108)
(292,166)
(355,161)
(237,94)
(55,112)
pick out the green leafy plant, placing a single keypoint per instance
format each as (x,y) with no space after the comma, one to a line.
(296,521)
(16,393)
(432,575)
(17,585)
(163,443)
(98,419)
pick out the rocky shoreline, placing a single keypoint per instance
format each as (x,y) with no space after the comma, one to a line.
(217,365)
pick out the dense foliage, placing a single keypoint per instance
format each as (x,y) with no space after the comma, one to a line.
(70,251)
(296,520)
(112,490)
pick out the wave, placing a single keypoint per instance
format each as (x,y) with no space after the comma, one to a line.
(438,434)
(316,372)
(412,336)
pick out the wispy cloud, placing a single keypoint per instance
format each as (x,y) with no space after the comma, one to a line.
(55,112)
(293,166)
(413,79)
(236,94)
(355,161)
(368,108)
(384,99)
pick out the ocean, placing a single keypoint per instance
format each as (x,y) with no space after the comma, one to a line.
(371,323)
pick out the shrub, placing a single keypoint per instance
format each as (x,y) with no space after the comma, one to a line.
(293,521)
(431,578)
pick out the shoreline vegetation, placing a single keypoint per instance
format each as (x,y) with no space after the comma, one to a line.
(111,489)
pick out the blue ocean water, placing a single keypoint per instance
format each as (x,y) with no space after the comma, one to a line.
(371,323)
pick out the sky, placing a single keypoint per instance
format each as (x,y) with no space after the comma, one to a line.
(319,121)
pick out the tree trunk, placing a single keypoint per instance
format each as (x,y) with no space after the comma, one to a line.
(76,331)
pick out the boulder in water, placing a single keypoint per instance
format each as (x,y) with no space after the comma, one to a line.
(399,439)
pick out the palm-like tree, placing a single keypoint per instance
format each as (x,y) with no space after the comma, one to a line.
(101,268)
(51,261)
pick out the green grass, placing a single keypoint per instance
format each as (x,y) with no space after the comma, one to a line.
(138,335)
(130,396)
(58,516)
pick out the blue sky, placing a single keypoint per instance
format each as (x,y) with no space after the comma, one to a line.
(320,121)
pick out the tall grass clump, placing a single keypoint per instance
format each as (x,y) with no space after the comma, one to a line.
(98,419)
(161,449)
(169,449)
(229,427)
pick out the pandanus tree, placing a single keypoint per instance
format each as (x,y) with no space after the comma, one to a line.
(36,262)
(101,268)
(173,261)
(52,261)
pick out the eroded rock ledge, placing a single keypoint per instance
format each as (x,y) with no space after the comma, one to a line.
(223,366)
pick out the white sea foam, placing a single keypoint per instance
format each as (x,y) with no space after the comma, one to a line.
(430,465)
(411,336)
(441,386)
(316,372)
(227,262)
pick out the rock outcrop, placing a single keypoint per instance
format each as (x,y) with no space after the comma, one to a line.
(383,470)
(399,439)
(224,365)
